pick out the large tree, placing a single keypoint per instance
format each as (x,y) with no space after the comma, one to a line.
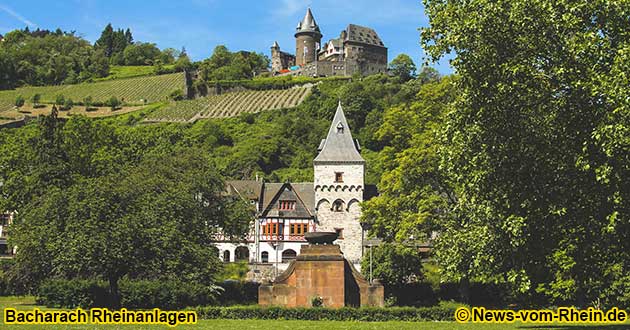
(537,144)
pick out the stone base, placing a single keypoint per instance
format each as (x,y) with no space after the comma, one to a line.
(320,271)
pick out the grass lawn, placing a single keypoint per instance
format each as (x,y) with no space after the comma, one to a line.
(29,303)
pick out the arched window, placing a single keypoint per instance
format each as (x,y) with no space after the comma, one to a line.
(338,206)
(226,256)
(288,255)
(241,253)
(264,257)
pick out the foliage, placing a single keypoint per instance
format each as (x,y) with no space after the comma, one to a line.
(393,264)
(413,193)
(19,101)
(35,99)
(403,67)
(141,53)
(113,102)
(47,58)
(164,294)
(536,146)
(442,312)
(225,65)
(238,293)
(113,43)
(176,95)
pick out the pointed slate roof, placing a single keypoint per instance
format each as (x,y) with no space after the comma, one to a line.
(308,24)
(275,45)
(339,145)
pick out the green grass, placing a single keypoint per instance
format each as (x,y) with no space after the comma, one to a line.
(28,303)
(131,90)
(230,104)
(128,71)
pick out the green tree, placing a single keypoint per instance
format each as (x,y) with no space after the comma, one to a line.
(87,102)
(60,100)
(68,104)
(19,101)
(403,67)
(113,103)
(141,53)
(536,145)
(35,99)
(393,264)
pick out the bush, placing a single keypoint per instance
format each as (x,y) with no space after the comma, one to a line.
(169,295)
(60,100)
(442,312)
(113,103)
(238,293)
(68,104)
(19,101)
(176,95)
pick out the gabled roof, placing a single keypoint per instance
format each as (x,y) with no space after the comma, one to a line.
(249,189)
(308,23)
(302,193)
(339,145)
(362,34)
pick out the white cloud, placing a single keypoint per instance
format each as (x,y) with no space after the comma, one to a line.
(17,16)
(290,7)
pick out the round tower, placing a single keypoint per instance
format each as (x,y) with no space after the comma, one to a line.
(307,40)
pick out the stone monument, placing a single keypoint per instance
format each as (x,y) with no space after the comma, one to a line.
(320,272)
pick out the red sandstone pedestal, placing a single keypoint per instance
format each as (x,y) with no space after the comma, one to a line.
(321,271)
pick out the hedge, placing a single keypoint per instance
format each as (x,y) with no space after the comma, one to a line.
(442,312)
(170,295)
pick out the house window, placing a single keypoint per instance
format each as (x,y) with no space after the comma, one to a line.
(264,257)
(340,128)
(226,256)
(286,205)
(339,232)
(288,255)
(273,228)
(338,176)
(298,229)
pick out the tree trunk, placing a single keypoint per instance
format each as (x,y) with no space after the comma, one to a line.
(113,290)
(464,290)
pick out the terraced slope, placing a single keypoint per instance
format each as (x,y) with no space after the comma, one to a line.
(131,91)
(230,104)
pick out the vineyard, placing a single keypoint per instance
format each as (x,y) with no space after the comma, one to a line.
(230,104)
(133,91)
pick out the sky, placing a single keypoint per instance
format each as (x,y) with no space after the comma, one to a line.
(200,25)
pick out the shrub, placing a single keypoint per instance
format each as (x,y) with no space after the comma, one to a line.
(19,101)
(35,99)
(442,312)
(87,102)
(68,104)
(60,100)
(134,294)
(238,293)
(176,95)
(113,103)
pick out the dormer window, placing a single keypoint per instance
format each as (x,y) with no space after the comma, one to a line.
(340,128)
(286,205)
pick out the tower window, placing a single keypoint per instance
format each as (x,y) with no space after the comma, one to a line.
(339,232)
(338,176)
(340,128)
(338,206)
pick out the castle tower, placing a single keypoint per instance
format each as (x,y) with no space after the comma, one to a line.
(339,171)
(276,58)
(307,40)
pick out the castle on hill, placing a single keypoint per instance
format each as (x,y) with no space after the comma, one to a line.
(357,50)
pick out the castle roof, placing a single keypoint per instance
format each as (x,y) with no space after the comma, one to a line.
(308,23)
(339,145)
(275,45)
(362,34)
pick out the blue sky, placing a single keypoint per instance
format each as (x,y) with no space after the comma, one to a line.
(200,25)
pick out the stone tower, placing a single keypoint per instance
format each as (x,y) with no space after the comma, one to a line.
(339,171)
(307,40)
(276,58)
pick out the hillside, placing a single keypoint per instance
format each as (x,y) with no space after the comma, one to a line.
(230,104)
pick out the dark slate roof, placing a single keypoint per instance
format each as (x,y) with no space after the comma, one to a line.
(302,193)
(364,35)
(339,145)
(308,23)
(249,189)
